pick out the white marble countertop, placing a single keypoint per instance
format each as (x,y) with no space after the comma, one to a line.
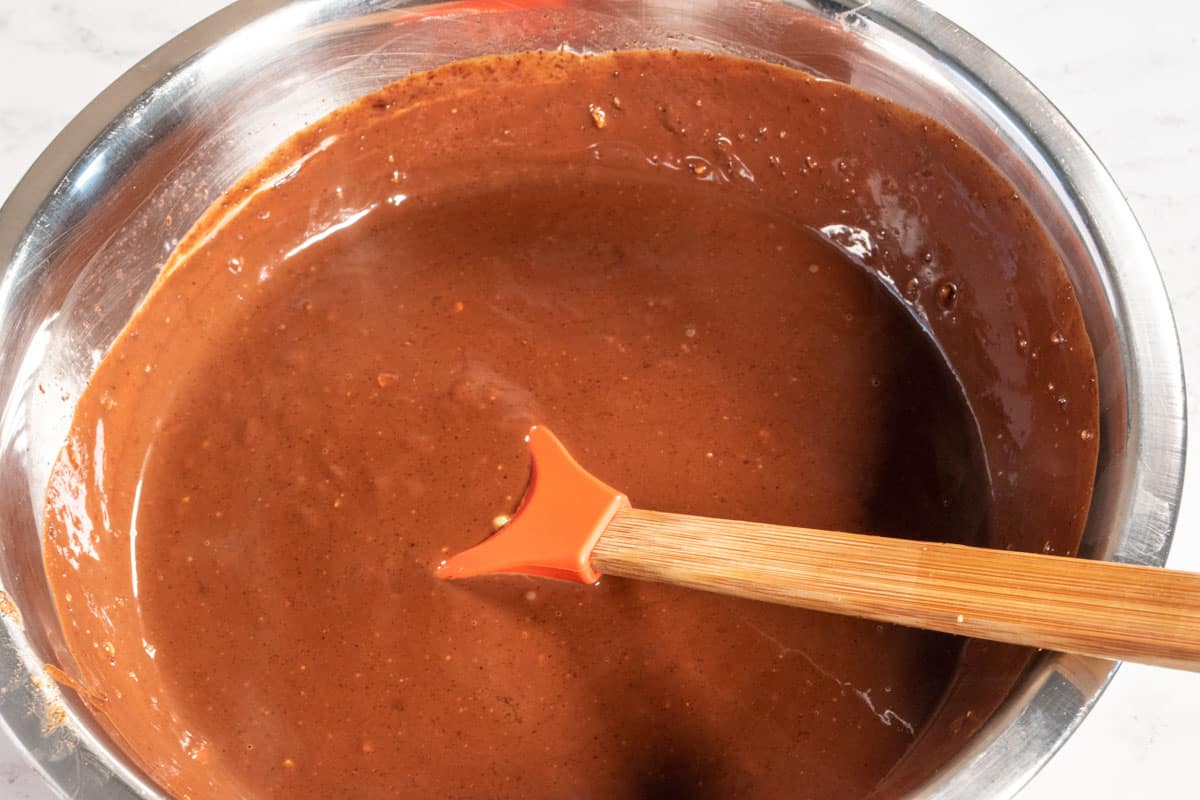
(1129,84)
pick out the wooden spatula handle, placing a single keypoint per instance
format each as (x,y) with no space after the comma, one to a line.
(1095,608)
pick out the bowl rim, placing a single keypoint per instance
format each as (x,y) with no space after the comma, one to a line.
(1009,750)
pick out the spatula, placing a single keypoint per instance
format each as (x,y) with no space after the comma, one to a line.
(571,526)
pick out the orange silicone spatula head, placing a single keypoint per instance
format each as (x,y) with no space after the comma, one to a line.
(552,533)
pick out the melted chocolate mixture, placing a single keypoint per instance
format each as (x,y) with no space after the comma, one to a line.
(719,281)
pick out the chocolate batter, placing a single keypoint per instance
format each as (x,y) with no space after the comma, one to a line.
(731,288)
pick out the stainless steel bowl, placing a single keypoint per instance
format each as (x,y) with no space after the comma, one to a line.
(85,231)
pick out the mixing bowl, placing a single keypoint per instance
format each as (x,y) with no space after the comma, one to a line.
(85,232)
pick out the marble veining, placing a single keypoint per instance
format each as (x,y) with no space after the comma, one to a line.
(1126,79)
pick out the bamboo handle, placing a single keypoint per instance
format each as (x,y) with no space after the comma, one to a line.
(1095,608)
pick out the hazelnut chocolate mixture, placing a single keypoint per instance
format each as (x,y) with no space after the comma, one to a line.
(731,288)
